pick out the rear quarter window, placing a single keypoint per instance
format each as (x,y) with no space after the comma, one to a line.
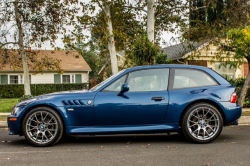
(189,78)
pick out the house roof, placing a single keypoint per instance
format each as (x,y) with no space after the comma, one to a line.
(179,50)
(70,60)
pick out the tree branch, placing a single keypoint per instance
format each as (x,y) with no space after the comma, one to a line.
(99,4)
(4,44)
(169,9)
(137,8)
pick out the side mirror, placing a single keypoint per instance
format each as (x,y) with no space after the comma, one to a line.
(125,88)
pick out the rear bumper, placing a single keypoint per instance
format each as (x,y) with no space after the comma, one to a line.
(234,123)
(232,113)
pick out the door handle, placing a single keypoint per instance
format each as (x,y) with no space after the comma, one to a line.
(157,98)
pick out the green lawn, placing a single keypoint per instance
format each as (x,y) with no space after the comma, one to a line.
(3,117)
(6,105)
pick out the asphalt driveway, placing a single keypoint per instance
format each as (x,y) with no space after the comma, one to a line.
(231,148)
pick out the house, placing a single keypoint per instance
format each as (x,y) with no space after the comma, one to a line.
(120,60)
(203,54)
(76,69)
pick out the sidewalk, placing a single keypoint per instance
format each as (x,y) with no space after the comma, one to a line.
(244,120)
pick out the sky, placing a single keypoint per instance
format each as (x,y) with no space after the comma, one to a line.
(167,38)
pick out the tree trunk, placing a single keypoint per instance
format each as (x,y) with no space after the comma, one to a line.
(245,87)
(150,20)
(111,41)
(22,51)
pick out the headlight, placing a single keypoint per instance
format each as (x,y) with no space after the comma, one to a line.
(14,110)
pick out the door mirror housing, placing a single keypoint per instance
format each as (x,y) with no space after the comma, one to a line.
(125,88)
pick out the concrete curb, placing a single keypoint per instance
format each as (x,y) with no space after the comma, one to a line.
(5,113)
(244,120)
(3,124)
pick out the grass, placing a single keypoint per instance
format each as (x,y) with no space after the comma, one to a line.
(3,117)
(6,105)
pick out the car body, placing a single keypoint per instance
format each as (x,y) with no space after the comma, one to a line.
(159,98)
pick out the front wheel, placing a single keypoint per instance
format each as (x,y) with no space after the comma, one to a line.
(42,126)
(202,123)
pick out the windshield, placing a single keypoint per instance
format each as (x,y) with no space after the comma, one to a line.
(105,81)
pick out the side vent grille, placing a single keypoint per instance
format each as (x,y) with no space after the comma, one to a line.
(72,102)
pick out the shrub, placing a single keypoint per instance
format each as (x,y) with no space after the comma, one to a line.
(17,91)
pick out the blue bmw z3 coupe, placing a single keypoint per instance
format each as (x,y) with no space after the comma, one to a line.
(193,100)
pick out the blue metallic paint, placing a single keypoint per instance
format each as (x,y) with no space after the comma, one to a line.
(134,112)
(135,108)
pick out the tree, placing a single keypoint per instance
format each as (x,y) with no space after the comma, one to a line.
(239,43)
(225,19)
(87,20)
(155,17)
(75,41)
(25,23)
(158,16)
(144,52)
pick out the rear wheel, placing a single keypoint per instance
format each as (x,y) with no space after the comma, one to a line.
(202,123)
(42,126)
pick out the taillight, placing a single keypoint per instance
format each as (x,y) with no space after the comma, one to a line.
(233,98)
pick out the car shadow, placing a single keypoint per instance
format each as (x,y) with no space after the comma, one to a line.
(173,138)
(109,139)
(135,138)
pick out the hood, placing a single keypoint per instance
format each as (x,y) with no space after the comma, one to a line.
(57,97)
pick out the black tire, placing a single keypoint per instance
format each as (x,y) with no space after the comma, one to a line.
(42,126)
(202,123)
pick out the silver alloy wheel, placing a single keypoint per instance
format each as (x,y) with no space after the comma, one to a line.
(203,123)
(41,127)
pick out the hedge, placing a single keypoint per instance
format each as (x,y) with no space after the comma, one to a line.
(16,91)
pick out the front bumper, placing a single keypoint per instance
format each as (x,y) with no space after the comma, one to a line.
(14,126)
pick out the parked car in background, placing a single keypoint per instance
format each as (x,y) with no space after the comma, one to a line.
(193,100)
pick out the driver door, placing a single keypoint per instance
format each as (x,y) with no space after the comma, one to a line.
(146,102)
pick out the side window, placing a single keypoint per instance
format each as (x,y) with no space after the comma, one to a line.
(116,86)
(188,78)
(148,80)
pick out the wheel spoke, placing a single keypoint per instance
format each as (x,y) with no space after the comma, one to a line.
(37,118)
(41,116)
(42,137)
(45,117)
(51,123)
(195,124)
(32,120)
(192,121)
(198,132)
(207,134)
(46,137)
(50,133)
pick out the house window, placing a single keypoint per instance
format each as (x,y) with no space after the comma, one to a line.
(13,79)
(65,78)
(225,71)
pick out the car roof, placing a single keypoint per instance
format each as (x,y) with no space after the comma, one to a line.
(168,65)
(210,71)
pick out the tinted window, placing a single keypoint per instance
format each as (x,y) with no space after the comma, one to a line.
(187,78)
(148,80)
(116,86)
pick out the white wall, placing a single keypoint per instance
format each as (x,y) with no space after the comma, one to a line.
(45,78)
(85,77)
